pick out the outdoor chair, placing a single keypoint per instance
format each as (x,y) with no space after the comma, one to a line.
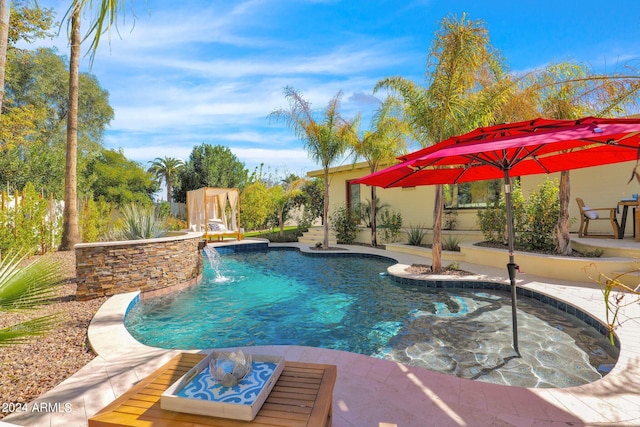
(588,214)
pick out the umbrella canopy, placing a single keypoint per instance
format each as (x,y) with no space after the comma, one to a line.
(537,146)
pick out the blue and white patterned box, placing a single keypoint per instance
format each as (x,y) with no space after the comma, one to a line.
(198,393)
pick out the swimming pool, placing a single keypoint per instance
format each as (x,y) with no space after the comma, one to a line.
(346,302)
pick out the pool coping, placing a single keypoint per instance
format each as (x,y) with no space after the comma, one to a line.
(395,393)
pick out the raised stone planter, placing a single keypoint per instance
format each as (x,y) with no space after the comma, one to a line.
(153,266)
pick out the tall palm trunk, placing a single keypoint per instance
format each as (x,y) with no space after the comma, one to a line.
(70,233)
(562,228)
(436,247)
(5,11)
(169,191)
(373,213)
(325,210)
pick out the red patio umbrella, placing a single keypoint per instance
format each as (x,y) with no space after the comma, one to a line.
(511,150)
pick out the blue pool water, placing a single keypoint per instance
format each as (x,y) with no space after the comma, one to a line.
(280,297)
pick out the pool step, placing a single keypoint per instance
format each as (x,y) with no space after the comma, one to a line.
(316,234)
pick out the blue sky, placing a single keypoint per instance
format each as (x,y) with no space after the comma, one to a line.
(188,72)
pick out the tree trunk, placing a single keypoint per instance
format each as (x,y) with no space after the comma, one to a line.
(436,246)
(169,192)
(374,211)
(70,234)
(281,222)
(563,245)
(5,12)
(325,210)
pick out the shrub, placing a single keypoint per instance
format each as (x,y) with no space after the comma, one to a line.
(27,225)
(493,220)
(415,235)
(345,223)
(534,220)
(95,216)
(542,211)
(390,225)
(175,224)
(450,219)
(288,236)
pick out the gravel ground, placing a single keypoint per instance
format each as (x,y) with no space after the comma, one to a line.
(29,370)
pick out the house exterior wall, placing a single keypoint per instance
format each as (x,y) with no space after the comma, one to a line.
(599,187)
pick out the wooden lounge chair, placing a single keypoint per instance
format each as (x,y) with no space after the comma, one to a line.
(591,214)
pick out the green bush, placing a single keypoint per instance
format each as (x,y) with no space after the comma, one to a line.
(415,235)
(390,225)
(345,223)
(534,219)
(493,220)
(542,210)
(95,217)
(288,236)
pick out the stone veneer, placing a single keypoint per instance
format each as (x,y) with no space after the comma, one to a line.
(153,266)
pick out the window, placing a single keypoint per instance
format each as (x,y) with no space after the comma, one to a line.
(353,196)
(472,195)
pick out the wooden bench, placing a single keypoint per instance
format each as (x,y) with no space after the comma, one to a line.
(302,396)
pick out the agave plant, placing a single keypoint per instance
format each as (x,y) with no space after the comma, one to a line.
(25,287)
(138,222)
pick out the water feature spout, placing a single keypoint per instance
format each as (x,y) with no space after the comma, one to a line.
(215,261)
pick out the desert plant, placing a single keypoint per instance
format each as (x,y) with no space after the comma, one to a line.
(415,235)
(24,286)
(345,222)
(451,243)
(390,225)
(138,222)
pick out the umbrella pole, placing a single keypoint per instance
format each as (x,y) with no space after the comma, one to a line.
(512,267)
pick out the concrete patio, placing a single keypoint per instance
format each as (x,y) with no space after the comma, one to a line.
(374,392)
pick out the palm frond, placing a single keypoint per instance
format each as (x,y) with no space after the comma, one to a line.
(24,332)
(27,286)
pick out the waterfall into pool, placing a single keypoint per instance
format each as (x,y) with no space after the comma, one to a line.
(215,263)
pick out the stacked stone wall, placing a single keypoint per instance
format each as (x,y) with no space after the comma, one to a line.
(153,267)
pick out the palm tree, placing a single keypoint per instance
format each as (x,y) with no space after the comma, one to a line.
(380,146)
(324,139)
(4,44)
(167,169)
(106,14)
(22,288)
(465,85)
